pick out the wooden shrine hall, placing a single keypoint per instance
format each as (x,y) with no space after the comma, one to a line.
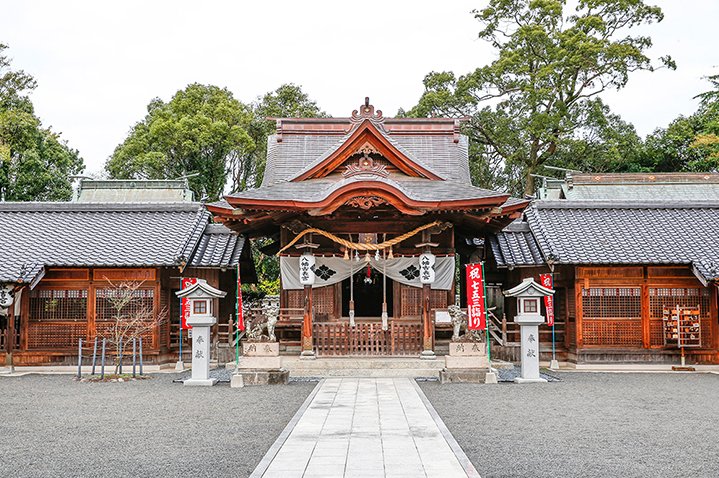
(370,217)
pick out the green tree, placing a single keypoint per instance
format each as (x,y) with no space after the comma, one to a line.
(706,143)
(35,163)
(534,96)
(287,101)
(202,129)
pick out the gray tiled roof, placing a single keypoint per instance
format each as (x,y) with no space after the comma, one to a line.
(515,246)
(218,247)
(593,232)
(438,153)
(35,235)
(420,189)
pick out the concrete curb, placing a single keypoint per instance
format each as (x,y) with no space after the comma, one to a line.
(469,468)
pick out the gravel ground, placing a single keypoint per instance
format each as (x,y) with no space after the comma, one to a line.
(587,425)
(51,425)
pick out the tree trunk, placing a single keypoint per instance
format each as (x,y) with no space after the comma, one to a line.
(531,168)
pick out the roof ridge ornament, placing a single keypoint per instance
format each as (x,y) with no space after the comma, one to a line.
(367,112)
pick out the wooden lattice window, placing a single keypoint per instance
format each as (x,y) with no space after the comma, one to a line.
(612,302)
(611,316)
(666,297)
(58,304)
(323,302)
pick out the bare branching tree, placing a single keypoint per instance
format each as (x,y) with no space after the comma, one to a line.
(132,315)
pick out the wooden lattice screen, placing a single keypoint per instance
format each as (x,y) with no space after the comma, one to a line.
(58,318)
(323,302)
(661,298)
(612,316)
(142,303)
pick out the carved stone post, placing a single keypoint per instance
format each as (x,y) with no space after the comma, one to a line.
(307,343)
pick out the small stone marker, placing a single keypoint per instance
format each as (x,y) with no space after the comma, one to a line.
(201,296)
(528,295)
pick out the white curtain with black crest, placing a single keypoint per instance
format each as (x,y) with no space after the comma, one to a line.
(331,270)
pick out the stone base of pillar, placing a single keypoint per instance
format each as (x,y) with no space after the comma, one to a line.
(554,365)
(260,377)
(465,375)
(180,366)
(428,355)
(237,381)
(529,380)
(200,382)
(491,377)
(308,355)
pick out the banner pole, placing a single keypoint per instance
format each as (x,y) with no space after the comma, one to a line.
(486,318)
(181,312)
(554,349)
(237,319)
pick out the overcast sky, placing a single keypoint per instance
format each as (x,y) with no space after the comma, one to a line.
(98,64)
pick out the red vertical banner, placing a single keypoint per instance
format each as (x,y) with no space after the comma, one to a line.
(185,282)
(546,281)
(476,318)
(240,313)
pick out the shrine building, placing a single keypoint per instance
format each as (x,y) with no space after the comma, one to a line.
(372,218)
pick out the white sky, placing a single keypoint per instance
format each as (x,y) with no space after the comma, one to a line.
(98,64)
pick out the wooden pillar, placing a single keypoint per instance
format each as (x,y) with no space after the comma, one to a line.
(646,326)
(91,312)
(579,312)
(307,343)
(427,329)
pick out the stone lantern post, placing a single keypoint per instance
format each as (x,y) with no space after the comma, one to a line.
(529,295)
(201,296)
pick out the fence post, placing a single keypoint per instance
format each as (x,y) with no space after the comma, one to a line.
(94,356)
(102,361)
(119,357)
(79,358)
(134,356)
(140,355)
(504,328)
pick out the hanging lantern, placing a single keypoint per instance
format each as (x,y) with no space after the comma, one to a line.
(307,269)
(426,268)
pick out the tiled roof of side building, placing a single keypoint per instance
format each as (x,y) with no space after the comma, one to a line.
(573,232)
(37,235)
(515,246)
(218,247)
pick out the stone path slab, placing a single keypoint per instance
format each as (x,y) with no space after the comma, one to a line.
(366,427)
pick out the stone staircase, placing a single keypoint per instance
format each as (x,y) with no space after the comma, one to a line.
(363,367)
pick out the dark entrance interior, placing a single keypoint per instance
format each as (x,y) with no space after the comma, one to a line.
(367,294)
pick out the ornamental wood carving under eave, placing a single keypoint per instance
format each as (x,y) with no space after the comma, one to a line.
(366,164)
(366,202)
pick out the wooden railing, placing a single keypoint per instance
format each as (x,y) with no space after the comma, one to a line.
(339,338)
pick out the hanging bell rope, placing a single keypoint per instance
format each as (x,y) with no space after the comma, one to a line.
(359,245)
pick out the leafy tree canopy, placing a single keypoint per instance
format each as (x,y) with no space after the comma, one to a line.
(202,129)
(533,99)
(35,163)
(287,101)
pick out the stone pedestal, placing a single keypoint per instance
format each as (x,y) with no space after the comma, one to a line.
(260,364)
(466,362)
(529,330)
(201,351)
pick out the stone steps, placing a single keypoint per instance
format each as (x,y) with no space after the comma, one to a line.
(374,367)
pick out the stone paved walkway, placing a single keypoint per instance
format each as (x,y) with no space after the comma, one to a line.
(365,427)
